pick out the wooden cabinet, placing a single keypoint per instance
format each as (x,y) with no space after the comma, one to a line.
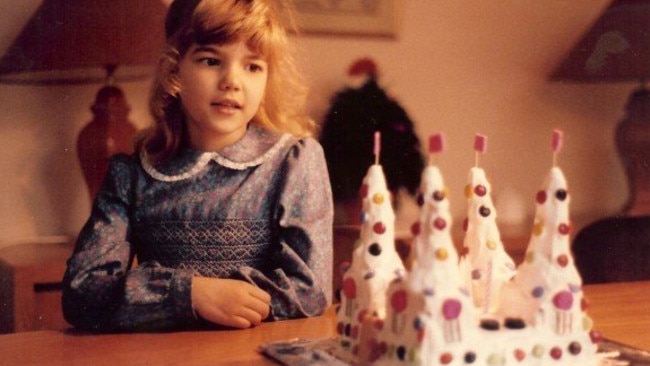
(30,286)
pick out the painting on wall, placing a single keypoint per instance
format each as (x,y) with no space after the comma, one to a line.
(347,17)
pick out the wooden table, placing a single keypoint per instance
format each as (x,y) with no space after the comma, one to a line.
(620,311)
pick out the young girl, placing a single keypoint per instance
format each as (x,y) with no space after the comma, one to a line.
(227,212)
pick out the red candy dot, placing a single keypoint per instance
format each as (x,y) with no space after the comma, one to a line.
(520,354)
(563,300)
(465,224)
(399,300)
(541,197)
(451,309)
(439,223)
(361,315)
(564,229)
(379,228)
(562,260)
(556,353)
(446,358)
(349,288)
(596,336)
(415,228)
(339,327)
(584,304)
(480,190)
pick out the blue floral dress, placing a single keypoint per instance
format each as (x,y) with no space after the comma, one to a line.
(259,211)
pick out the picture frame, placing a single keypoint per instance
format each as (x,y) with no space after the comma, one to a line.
(376,18)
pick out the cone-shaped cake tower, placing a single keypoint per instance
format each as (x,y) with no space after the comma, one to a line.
(485,263)
(375,262)
(430,316)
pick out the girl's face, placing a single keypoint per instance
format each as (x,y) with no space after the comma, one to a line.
(221,88)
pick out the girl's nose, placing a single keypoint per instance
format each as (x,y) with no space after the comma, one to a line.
(229,80)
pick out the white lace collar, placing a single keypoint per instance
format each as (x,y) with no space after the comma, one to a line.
(252,150)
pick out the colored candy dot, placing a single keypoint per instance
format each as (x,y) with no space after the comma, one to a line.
(439,223)
(363,191)
(575,348)
(468,191)
(476,274)
(584,304)
(347,329)
(562,260)
(439,195)
(465,224)
(451,309)
(354,333)
(349,288)
(363,217)
(495,360)
(520,354)
(530,257)
(556,353)
(428,291)
(538,351)
(480,190)
(418,323)
(442,254)
(587,323)
(399,300)
(370,274)
(595,336)
(377,324)
(538,292)
(420,199)
(490,324)
(379,227)
(415,228)
(561,194)
(401,352)
(484,211)
(563,300)
(378,198)
(361,315)
(538,228)
(374,249)
(446,358)
(514,323)
(470,357)
(541,197)
(491,244)
(340,327)
(564,229)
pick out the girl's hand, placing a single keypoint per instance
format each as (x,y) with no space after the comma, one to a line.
(227,302)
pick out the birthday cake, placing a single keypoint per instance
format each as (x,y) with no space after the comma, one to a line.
(476,308)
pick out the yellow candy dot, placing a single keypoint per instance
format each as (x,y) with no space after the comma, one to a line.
(538,351)
(587,323)
(538,228)
(378,198)
(442,254)
(530,257)
(491,244)
(495,360)
(468,191)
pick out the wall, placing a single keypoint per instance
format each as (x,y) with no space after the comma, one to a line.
(460,67)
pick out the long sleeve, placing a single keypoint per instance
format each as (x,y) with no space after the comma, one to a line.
(100,290)
(300,279)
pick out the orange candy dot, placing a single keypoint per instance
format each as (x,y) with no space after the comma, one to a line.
(378,198)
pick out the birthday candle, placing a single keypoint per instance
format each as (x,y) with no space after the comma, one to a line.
(556,144)
(436,143)
(480,146)
(480,143)
(377,146)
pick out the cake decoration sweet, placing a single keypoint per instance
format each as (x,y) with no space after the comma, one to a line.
(375,262)
(477,310)
(485,263)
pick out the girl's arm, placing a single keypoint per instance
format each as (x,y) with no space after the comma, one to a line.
(300,281)
(100,290)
